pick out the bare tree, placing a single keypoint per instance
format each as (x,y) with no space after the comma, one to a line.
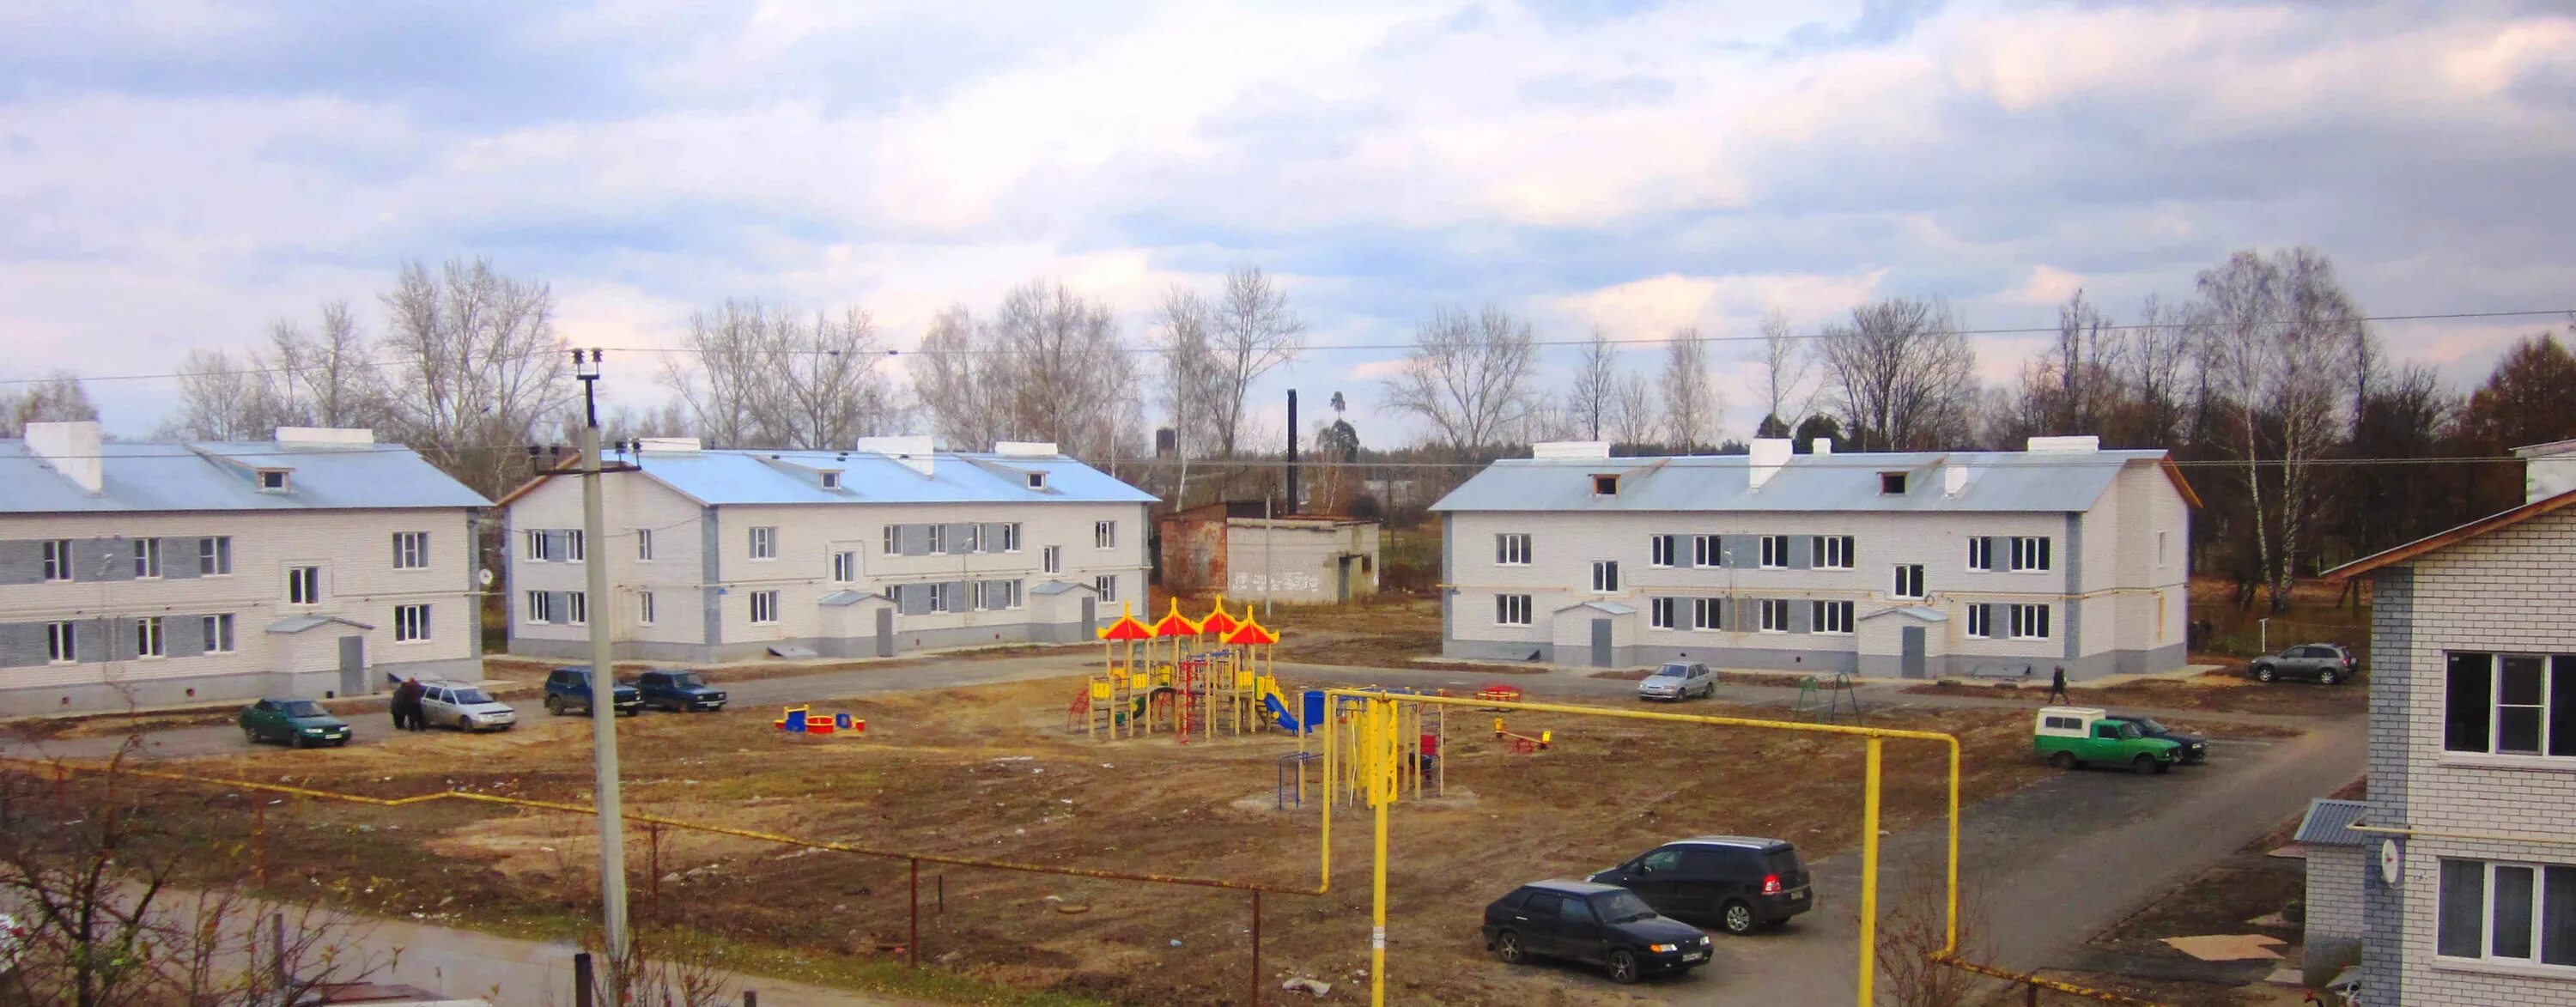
(2079,367)
(2154,374)
(326,378)
(958,383)
(56,399)
(1691,404)
(1638,416)
(718,373)
(1193,386)
(220,399)
(1061,374)
(1902,374)
(1468,376)
(1251,330)
(1786,364)
(2277,328)
(1594,398)
(481,367)
(823,388)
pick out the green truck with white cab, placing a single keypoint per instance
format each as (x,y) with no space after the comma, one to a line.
(2070,736)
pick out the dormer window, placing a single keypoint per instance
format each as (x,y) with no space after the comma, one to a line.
(272,480)
(831,480)
(1605,486)
(1891,483)
(1037,480)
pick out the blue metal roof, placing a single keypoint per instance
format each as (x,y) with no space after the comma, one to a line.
(1999,481)
(2329,822)
(141,476)
(727,476)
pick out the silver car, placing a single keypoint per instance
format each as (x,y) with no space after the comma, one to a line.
(464,707)
(1678,682)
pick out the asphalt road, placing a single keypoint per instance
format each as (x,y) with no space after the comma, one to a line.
(2046,867)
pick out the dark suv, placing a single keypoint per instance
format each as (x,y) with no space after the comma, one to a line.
(568,691)
(2326,663)
(2194,750)
(678,691)
(1600,924)
(1740,883)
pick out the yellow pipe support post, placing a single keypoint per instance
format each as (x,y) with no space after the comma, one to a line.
(1869,874)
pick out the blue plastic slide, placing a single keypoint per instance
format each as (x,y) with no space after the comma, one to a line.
(1278,708)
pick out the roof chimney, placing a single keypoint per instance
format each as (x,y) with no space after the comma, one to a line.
(1570,449)
(2085,445)
(72,449)
(913,450)
(325,437)
(1767,456)
(2547,470)
(670,445)
(1025,449)
(1954,477)
(1821,445)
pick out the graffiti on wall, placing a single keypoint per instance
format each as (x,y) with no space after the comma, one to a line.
(1244,585)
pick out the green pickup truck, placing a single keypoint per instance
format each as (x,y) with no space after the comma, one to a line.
(2070,736)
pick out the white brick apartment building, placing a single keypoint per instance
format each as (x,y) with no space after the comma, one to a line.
(164,572)
(1914,565)
(2473,763)
(721,555)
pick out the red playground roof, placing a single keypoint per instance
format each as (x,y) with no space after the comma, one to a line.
(1251,632)
(1217,621)
(1175,624)
(1127,628)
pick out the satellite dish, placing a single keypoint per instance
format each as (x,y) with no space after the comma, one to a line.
(483,576)
(2391,862)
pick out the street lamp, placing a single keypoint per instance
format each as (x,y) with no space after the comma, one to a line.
(603,676)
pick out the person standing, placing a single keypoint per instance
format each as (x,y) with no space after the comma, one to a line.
(407,705)
(2057,685)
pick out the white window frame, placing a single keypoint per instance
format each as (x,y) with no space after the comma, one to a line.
(1830,618)
(764,608)
(1661,550)
(2496,706)
(2031,554)
(1909,582)
(1775,615)
(411,550)
(1104,535)
(1775,552)
(1663,612)
(148,644)
(764,542)
(1512,548)
(939,599)
(215,556)
(1980,622)
(644,545)
(576,546)
(974,538)
(830,478)
(1051,559)
(1981,554)
(845,566)
(1605,576)
(1708,550)
(891,532)
(1832,552)
(147,559)
(1708,613)
(305,580)
(539,609)
(643,608)
(1104,585)
(219,633)
(1511,610)
(1011,537)
(2539,913)
(938,538)
(2026,618)
(533,548)
(60,561)
(62,643)
(411,623)
(576,608)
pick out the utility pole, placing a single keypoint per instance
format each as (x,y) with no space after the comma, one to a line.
(603,676)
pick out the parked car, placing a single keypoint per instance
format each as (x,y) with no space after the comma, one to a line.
(464,707)
(1678,682)
(298,722)
(678,691)
(2323,663)
(2195,748)
(1599,924)
(568,691)
(1739,883)
(2070,736)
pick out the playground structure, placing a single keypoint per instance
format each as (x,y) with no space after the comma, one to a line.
(1826,699)
(1343,777)
(1187,678)
(1522,743)
(800,719)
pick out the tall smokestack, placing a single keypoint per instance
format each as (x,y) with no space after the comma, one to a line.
(1292,451)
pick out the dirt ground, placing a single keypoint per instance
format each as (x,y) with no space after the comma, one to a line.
(992,772)
(2215,692)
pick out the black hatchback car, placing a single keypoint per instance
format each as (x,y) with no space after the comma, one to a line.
(2194,750)
(1604,925)
(1739,883)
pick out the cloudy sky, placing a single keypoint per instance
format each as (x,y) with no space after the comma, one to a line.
(177,174)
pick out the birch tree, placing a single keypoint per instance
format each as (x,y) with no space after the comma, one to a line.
(1594,398)
(325,378)
(1902,374)
(60,398)
(1192,388)
(1060,371)
(1468,377)
(1691,404)
(1252,330)
(960,385)
(1786,363)
(480,367)
(824,390)
(221,398)
(2275,326)
(1638,416)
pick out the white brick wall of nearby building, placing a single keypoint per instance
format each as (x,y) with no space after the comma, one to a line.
(2334,890)
(2473,731)
(1856,584)
(267,595)
(732,580)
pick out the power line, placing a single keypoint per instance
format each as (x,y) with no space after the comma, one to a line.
(890,353)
